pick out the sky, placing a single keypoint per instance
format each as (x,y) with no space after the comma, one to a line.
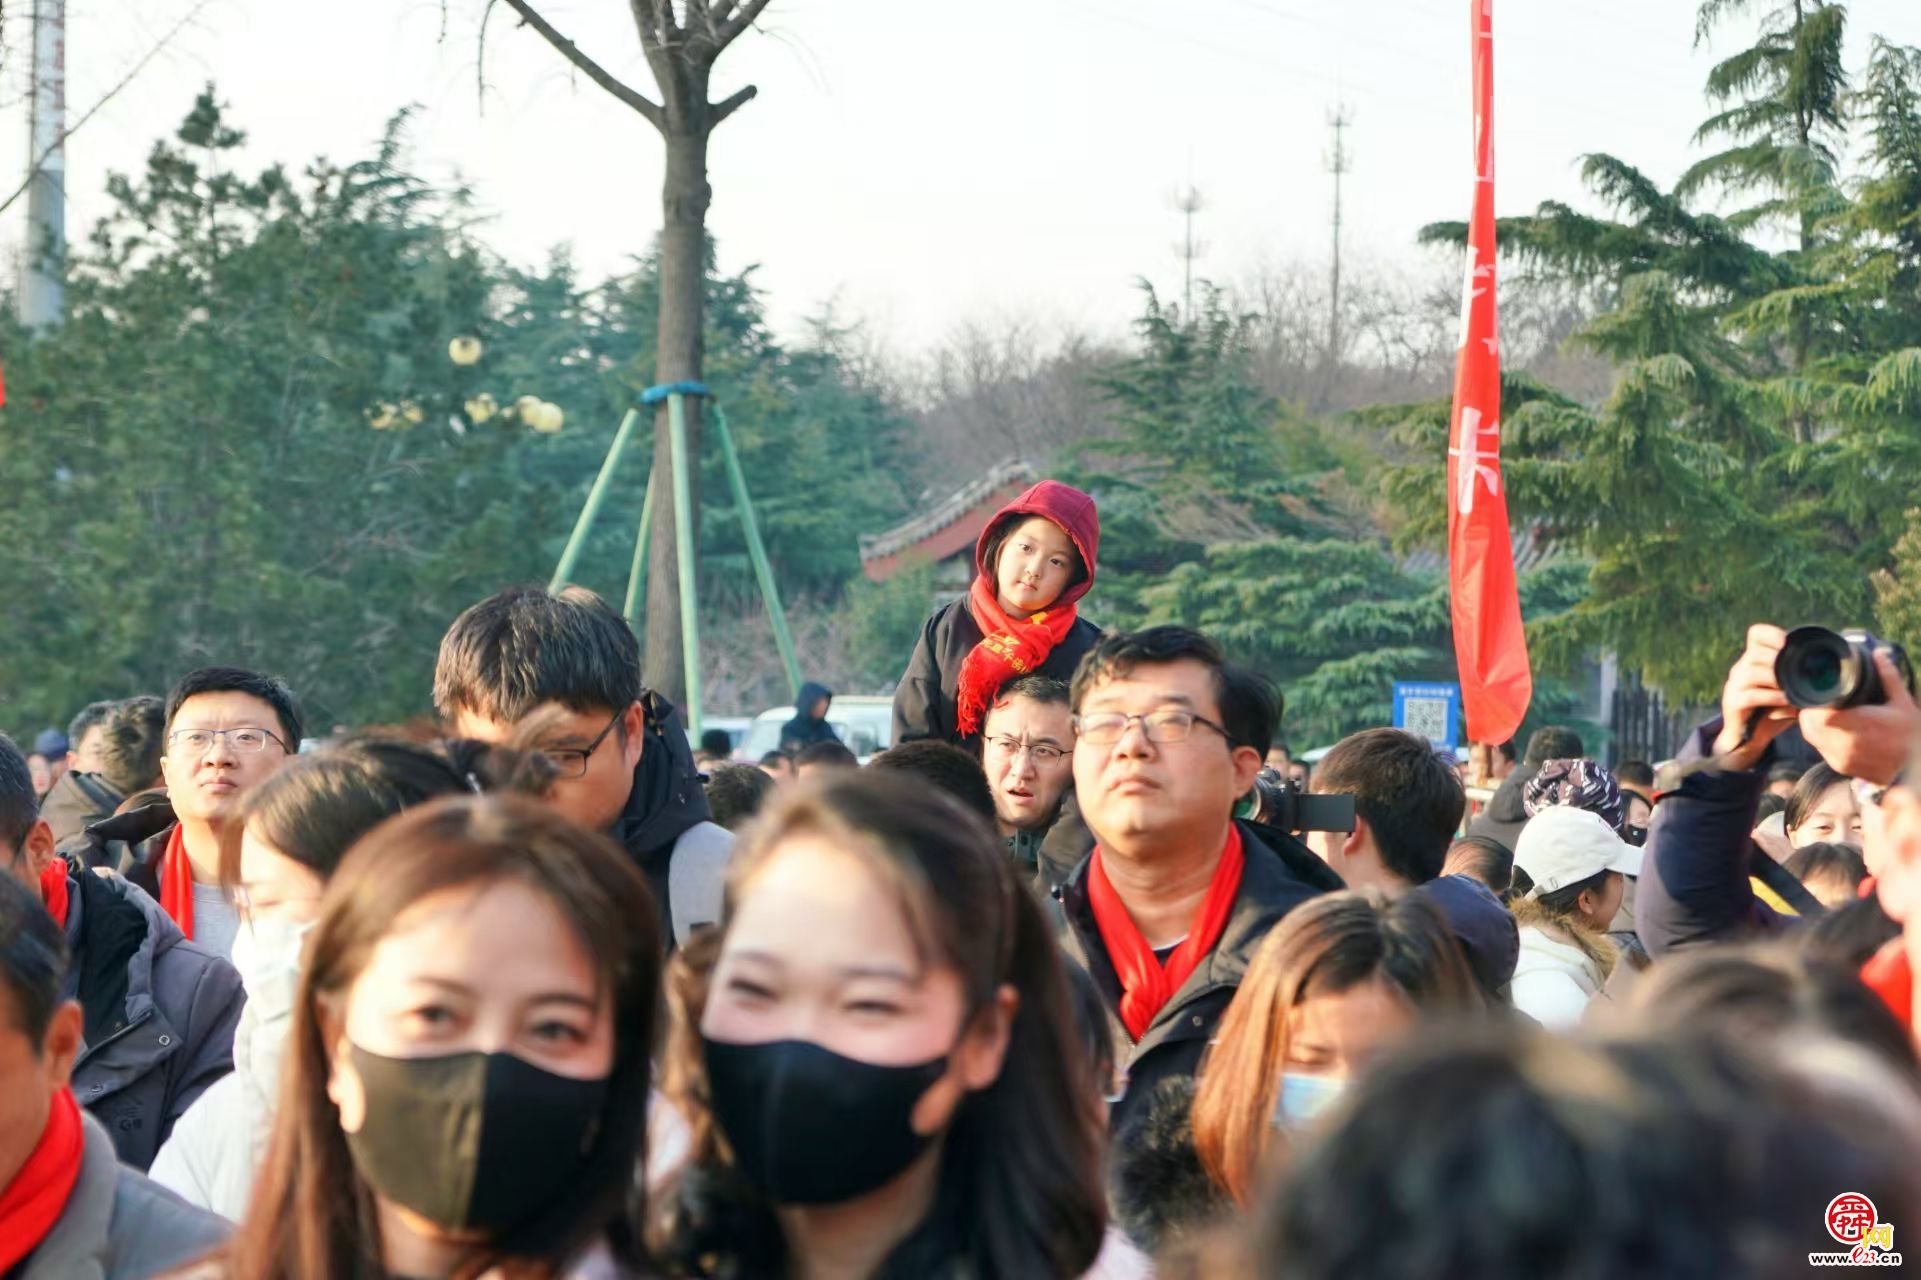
(924,164)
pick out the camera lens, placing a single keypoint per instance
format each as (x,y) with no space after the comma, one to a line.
(1818,668)
(1821,673)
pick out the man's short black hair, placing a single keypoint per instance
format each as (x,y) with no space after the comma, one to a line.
(718,743)
(19,806)
(1555,742)
(947,767)
(827,753)
(1250,705)
(1412,799)
(1634,773)
(528,646)
(775,757)
(271,690)
(92,714)
(735,793)
(1036,688)
(33,956)
(133,738)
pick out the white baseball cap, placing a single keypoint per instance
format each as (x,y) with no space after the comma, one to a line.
(1562,845)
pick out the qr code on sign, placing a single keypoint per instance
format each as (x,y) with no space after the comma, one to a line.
(1427,718)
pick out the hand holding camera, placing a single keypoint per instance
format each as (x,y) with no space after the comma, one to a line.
(1852,693)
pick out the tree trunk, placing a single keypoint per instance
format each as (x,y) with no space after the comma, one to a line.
(678,354)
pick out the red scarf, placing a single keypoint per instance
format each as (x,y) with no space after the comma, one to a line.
(176,881)
(53,892)
(38,1194)
(1889,975)
(1147,985)
(1008,648)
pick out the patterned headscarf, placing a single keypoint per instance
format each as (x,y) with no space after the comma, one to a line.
(1579,784)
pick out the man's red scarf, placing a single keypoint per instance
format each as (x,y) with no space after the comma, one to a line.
(1888,974)
(38,1194)
(1009,648)
(1146,984)
(53,892)
(176,881)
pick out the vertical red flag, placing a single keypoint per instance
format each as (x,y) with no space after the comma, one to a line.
(1489,645)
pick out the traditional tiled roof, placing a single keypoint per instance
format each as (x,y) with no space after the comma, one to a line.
(952,525)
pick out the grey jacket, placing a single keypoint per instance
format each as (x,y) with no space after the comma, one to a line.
(160,1013)
(118,1225)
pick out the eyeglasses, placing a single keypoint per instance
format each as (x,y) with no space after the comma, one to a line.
(571,762)
(1104,728)
(1868,795)
(200,741)
(1042,752)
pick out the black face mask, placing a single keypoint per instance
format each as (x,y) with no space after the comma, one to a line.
(809,1126)
(472,1141)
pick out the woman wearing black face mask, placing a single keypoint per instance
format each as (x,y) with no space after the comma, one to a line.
(877,1055)
(466,1076)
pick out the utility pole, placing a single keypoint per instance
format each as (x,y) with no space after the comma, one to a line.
(43,265)
(1338,163)
(1187,203)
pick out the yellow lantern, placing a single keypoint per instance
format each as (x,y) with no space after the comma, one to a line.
(547,418)
(465,350)
(525,407)
(482,407)
(412,413)
(383,417)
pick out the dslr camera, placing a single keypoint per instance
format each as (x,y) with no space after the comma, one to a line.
(1280,803)
(1822,668)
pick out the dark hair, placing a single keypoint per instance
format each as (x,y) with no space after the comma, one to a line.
(313,809)
(717,743)
(1828,860)
(1481,858)
(1785,773)
(1545,1155)
(1250,705)
(1036,688)
(1282,747)
(19,806)
(776,757)
(527,646)
(827,753)
(1092,1024)
(1770,804)
(1019,1168)
(33,954)
(1411,798)
(1507,750)
(1554,742)
(132,739)
(1849,934)
(1808,791)
(1752,992)
(946,766)
(1561,902)
(312,1217)
(735,793)
(1634,773)
(1005,526)
(1325,946)
(271,690)
(94,713)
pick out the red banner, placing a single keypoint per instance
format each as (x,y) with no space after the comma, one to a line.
(1489,645)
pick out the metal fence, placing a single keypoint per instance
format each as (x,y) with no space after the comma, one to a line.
(1645,726)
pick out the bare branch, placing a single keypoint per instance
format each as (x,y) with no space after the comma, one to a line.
(731,103)
(40,161)
(598,74)
(749,11)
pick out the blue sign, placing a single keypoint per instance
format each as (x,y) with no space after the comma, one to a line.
(1431,710)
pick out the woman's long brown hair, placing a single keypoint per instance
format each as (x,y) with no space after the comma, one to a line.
(1021,1163)
(1331,944)
(312,1217)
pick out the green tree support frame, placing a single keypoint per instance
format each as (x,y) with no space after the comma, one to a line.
(683,479)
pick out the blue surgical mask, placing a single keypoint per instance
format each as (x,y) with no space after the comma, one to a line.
(1304,1096)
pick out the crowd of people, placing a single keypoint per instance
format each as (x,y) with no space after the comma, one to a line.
(1071,980)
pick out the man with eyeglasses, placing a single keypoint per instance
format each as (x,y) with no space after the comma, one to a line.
(158,1011)
(227,729)
(1027,749)
(1168,909)
(561,671)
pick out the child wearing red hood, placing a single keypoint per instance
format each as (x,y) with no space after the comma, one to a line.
(1034,560)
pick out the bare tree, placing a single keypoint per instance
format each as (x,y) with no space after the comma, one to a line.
(681,40)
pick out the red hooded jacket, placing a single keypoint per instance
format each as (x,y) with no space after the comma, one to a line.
(924,701)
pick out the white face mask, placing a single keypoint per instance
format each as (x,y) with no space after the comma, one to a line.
(267,952)
(1304,1096)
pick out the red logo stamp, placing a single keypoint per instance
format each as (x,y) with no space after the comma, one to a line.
(1850,1217)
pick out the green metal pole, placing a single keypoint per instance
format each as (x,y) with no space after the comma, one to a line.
(577,540)
(770,593)
(684,556)
(637,576)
